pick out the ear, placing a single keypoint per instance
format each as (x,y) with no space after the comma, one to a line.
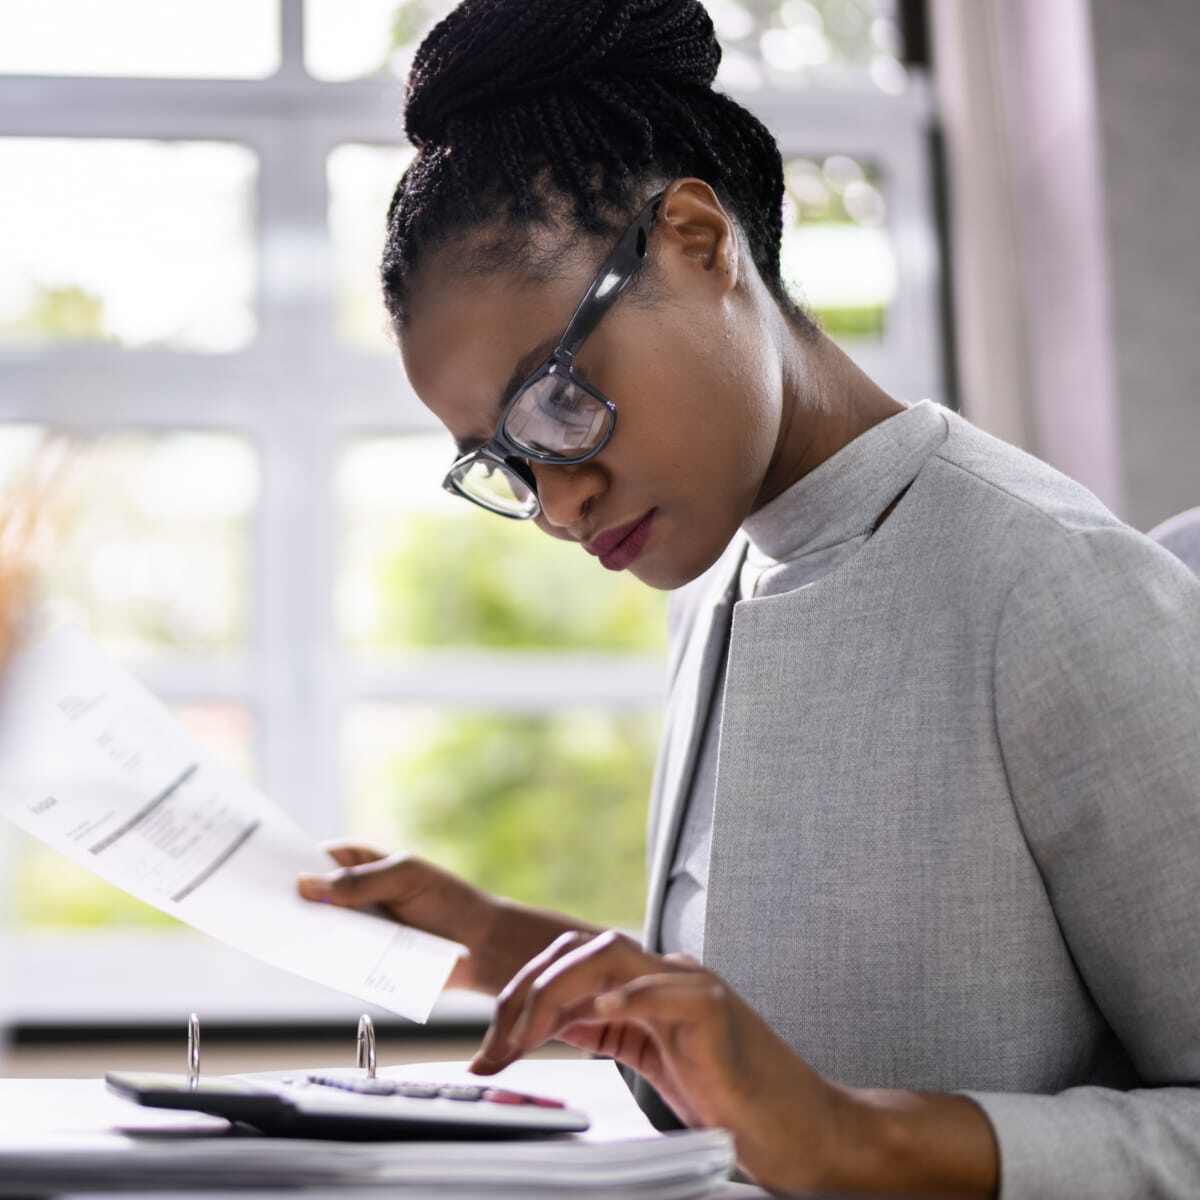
(696,225)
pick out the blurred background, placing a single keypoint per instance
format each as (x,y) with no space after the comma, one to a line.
(984,206)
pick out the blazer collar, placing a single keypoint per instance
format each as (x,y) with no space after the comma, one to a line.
(687,715)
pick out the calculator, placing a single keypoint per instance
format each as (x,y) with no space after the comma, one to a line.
(354,1107)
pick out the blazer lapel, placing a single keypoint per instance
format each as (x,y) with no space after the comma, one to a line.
(687,713)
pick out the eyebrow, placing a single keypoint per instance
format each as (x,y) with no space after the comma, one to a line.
(520,373)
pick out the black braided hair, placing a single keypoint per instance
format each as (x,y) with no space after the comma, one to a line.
(519,107)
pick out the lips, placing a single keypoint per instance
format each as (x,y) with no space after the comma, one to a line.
(610,539)
(618,548)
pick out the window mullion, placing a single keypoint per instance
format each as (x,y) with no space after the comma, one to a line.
(294,546)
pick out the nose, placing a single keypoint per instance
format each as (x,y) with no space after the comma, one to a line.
(566,492)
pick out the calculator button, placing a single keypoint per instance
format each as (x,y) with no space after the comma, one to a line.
(373,1087)
(497,1096)
(362,1087)
(418,1091)
(545,1102)
(455,1091)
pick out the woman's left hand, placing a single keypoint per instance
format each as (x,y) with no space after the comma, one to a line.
(705,1050)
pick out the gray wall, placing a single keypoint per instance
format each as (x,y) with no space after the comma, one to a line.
(1147,62)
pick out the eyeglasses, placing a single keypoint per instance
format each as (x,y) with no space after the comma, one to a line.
(555,416)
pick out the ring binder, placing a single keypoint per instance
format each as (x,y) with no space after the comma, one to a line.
(365,1048)
(193,1051)
(364,1055)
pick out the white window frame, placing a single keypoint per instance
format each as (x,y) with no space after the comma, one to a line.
(297,393)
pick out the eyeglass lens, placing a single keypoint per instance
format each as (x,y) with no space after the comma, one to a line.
(496,487)
(555,416)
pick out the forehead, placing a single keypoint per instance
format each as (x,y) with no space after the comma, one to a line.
(466,334)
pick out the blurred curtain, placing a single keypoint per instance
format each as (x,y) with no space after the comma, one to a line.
(1016,84)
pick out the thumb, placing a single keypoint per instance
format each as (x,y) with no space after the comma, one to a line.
(387,880)
(346,854)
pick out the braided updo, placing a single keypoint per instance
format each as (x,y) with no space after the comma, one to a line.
(515,104)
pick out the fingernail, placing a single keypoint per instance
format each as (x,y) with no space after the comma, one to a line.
(313,887)
(607,1003)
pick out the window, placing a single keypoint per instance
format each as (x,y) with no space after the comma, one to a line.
(190,232)
(132,243)
(221,39)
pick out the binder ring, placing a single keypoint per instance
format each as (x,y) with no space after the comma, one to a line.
(365,1051)
(193,1051)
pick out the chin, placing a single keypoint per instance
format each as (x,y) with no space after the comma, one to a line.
(655,577)
(666,574)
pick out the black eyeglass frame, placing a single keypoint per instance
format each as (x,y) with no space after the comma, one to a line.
(614,276)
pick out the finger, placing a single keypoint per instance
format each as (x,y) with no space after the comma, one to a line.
(389,879)
(673,1028)
(632,1046)
(493,1051)
(345,854)
(685,1014)
(564,990)
(680,958)
(351,854)
(621,1040)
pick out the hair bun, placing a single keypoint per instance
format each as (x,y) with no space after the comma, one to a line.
(491,53)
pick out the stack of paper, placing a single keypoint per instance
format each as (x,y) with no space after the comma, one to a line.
(70,1135)
(670,1165)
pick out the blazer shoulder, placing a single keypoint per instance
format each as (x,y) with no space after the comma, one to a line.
(999,505)
(993,475)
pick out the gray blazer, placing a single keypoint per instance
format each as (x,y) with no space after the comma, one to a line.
(956,840)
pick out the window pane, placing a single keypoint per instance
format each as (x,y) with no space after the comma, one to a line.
(153,538)
(548,809)
(824,43)
(225,39)
(422,568)
(351,39)
(128,242)
(50,891)
(780,43)
(361,181)
(836,254)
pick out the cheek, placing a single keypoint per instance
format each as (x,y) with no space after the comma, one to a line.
(711,429)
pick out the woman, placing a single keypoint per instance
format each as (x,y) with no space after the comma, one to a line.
(936,837)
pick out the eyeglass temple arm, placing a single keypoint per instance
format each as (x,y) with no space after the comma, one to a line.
(611,280)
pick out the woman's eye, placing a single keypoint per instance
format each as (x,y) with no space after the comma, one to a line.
(562,400)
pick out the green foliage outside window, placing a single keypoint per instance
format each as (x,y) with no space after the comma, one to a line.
(546,809)
(50,891)
(480,580)
(60,314)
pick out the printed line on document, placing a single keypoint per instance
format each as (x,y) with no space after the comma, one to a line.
(218,862)
(143,812)
(383,955)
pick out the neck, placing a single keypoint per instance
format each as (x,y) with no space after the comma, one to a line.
(827,402)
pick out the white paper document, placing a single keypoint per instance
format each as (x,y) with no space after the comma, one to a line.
(95,766)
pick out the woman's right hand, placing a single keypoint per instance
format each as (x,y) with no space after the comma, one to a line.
(500,936)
